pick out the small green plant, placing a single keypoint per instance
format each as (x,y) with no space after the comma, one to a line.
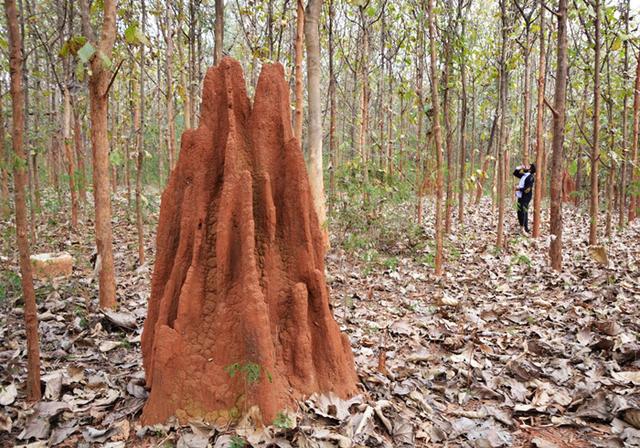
(522,259)
(391,263)
(251,370)
(427,259)
(283,421)
(124,342)
(237,442)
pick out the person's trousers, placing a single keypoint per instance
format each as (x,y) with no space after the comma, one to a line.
(523,212)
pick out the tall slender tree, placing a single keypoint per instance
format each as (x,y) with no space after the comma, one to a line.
(219,32)
(559,103)
(141,139)
(99,85)
(595,142)
(20,180)
(312,39)
(299,46)
(542,69)
(437,133)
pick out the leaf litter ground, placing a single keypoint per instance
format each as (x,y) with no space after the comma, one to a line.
(500,351)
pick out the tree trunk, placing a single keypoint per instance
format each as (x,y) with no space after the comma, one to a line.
(300,31)
(312,39)
(171,125)
(555,228)
(503,131)
(218,31)
(537,194)
(448,135)
(20,180)
(332,111)
(633,197)
(527,97)
(595,144)
(140,155)
(438,139)
(5,163)
(625,136)
(80,154)
(463,123)
(99,101)
(364,107)
(485,163)
(68,150)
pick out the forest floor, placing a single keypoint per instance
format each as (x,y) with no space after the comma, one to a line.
(500,351)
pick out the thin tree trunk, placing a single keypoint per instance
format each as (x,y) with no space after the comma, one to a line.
(503,130)
(312,39)
(5,205)
(166,27)
(555,228)
(364,107)
(68,150)
(218,31)
(140,155)
(80,154)
(438,140)
(633,197)
(537,194)
(527,98)
(20,180)
(463,124)
(99,102)
(485,163)
(332,111)
(300,29)
(595,148)
(625,136)
(448,135)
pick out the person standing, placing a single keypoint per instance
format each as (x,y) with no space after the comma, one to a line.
(524,193)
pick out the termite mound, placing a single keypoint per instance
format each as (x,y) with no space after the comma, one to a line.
(239,313)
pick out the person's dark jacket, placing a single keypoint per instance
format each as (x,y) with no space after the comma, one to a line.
(527,189)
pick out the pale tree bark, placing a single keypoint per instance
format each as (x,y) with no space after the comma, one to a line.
(312,39)
(420,62)
(363,127)
(595,143)
(528,21)
(99,82)
(438,139)
(448,133)
(68,151)
(299,44)
(555,228)
(80,154)
(140,134)
(503,127)
(20,180)
(218,32)
(484,167)
(537,194)
(633,197)
(171,125)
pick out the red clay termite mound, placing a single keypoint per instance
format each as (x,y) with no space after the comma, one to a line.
(239,313)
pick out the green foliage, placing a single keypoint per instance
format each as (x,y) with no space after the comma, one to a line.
(251,371)
(86,52)
(283,421)
(9,284)
(237,442)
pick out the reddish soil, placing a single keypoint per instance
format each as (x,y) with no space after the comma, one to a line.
(238,287)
